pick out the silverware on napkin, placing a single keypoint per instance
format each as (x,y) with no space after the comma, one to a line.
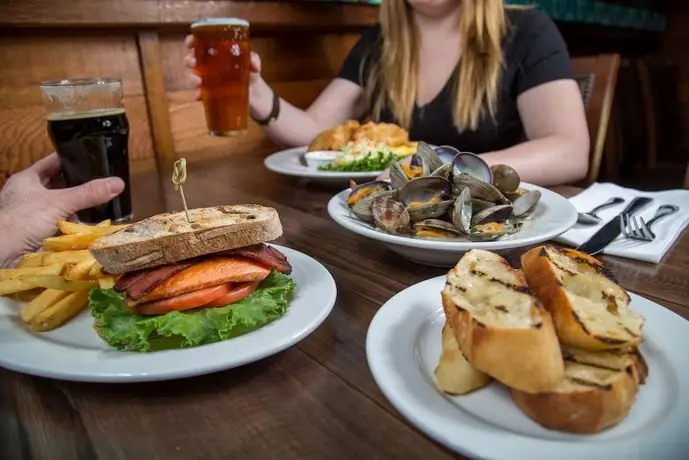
(639,230)
(612,230)
(590,217)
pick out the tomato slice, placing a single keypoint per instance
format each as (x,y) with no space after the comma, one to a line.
(185,301)
(237,293)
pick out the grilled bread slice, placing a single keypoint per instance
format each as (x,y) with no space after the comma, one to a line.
(167,238)
(454,374)
(590,310)
(501,328)
(597,392)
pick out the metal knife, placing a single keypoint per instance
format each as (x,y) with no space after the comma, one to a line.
(611,230)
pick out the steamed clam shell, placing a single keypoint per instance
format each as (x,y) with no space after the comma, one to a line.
(505,178)
(363,208)
(365,190)
(495,214)
(446,153)
(466,163)
(435,228)
(462,212)
(526,203)
(390,215)
(426,197)
(428,157)
(480,189)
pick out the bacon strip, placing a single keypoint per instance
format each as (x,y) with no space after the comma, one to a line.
(264,254)
(138,284)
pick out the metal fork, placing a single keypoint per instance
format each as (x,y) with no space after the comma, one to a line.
(638,229)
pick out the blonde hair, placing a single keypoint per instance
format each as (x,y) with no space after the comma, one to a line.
(393,79)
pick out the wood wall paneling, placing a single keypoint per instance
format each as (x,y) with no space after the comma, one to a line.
(161,13)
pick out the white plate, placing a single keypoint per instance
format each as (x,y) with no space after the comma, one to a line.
(554,215)
(75,352)
(403,349)
(287,162)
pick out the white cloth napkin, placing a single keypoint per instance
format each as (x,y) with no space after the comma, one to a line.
(667,229)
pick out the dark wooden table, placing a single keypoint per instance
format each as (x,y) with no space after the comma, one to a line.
(314,400)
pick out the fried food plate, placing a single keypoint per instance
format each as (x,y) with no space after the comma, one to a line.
(553,215)
(75,352)
(289,163)
(403,347)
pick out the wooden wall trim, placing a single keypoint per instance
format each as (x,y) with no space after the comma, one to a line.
(158,110)
(124,13)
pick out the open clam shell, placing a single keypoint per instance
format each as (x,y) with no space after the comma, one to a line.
(526,203)
(397,175)
(446,153)
(462,212)
(495,214)
(444,171)
(479,189)
(473,165)
(390,215)
(434,228)
(367,189)
(479,204)
(363,208)
(426,197)
(428,157)
(493,232)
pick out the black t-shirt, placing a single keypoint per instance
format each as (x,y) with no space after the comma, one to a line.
(535,53)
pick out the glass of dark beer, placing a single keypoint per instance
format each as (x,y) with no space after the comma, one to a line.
(90,131)
(223,60)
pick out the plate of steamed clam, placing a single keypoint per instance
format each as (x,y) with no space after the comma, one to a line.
(444,202)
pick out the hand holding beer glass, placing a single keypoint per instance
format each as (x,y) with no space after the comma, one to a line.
(89,129)
(223,61)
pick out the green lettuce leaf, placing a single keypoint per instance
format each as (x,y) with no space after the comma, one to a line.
(125,330)
(367,163)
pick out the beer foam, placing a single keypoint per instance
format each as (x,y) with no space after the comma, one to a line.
(58,116)
(220,22)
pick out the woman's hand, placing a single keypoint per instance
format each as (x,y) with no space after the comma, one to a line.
(30,207)
(190,63)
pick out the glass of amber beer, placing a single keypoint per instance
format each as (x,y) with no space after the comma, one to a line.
(223,60)
(90,131)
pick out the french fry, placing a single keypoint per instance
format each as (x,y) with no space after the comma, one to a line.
(33,259)
(39,259)
(79,271)
(72,228)
(70,242)
(12,286)
(61,312)
(95,270)
(14,273)
(46,299)
(105,223)
(106,282)
(56,282)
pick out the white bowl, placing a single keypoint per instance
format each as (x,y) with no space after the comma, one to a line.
(318,158)
(553,216)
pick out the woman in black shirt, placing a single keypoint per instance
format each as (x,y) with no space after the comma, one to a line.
(467,73)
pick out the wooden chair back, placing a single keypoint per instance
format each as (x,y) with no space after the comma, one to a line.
(597,78)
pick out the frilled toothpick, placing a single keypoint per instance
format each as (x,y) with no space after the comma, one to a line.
(179,178)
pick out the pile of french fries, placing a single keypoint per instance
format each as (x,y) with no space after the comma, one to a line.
(55,282)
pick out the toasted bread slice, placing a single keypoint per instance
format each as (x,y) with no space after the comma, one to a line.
(167,238)
(501,328)
(590,310)
(597,392)
(454,374)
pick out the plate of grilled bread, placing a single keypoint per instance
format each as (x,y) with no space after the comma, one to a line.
(551,360)
(170,296)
